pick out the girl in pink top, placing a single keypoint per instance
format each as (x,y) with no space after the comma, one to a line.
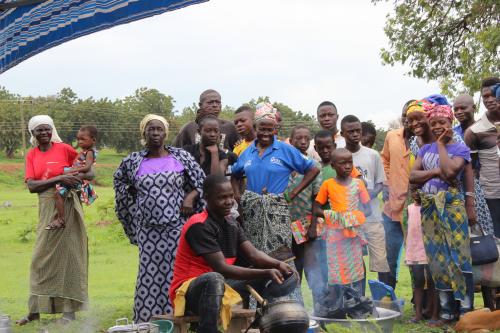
(416,259)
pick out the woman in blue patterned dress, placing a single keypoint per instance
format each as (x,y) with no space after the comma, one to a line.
(156,190)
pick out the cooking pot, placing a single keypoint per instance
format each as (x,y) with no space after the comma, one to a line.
(133,328)
(287,316)
(274,290)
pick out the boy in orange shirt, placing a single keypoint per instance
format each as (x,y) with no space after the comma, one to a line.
(347,197)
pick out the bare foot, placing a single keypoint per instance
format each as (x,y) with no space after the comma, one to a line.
(29,318)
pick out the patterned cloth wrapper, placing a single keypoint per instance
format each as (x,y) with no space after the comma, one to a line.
(265,110)
(345,221)
(267,226)
(267,221)
(446,240)
(344,246)
(301,226)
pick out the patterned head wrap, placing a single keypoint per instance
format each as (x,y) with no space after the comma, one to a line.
(417,106)
(36,121)
(266,111)
(146,120)
(440,111)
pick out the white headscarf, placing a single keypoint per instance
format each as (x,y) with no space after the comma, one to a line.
(146,120)
(42,120)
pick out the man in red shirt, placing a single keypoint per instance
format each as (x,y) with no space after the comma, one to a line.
(209,245)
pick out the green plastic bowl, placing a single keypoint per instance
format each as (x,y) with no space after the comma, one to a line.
(166,326)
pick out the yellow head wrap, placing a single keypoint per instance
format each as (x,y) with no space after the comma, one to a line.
(146,120)
(417,106)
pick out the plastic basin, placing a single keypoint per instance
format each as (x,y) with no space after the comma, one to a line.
(166,326)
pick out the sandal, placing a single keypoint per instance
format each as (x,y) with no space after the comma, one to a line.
(56,224)
(29,318)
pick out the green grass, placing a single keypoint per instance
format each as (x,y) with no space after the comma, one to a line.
(112,260)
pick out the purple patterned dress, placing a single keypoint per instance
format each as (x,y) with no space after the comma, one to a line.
(149,197)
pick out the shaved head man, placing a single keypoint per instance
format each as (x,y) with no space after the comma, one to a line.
(464,109)
(210,103)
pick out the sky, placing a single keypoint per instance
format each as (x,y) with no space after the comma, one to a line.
(297,52)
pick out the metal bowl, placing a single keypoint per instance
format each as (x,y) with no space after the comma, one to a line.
(384,322)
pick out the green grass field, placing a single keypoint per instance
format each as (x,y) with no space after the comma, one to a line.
(113,261)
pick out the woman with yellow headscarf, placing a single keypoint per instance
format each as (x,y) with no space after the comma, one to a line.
(156,190)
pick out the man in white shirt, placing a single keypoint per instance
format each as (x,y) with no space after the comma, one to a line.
(327,117)
(369,164)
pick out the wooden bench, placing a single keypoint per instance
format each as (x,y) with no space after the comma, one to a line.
(240,320)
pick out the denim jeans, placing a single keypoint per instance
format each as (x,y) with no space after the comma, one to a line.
(449,304)
(393,244)
(204,298)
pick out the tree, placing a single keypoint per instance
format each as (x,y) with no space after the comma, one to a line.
(10,122)
(455,42)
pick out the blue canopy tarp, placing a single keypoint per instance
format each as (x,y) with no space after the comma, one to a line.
(28,27)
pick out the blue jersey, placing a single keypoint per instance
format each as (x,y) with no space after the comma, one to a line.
(271,170)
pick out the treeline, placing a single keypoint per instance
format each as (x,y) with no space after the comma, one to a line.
(117,120)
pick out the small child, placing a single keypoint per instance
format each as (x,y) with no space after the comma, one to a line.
(306,246)
(344,243)
(208,154)
(86,138)
(368,134)
(416,259)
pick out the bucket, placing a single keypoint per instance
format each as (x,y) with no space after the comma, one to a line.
(166,326)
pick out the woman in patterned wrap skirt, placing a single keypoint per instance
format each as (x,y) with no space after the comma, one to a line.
(267,163)
(155,191)
(59,266)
